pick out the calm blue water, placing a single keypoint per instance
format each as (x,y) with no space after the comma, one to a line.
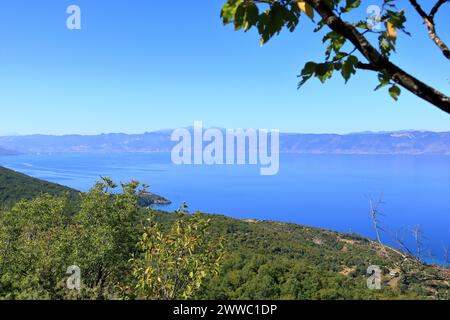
(318,190)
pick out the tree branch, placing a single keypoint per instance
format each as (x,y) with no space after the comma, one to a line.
(378,61)
(431,26)
(366,66)
(436,8)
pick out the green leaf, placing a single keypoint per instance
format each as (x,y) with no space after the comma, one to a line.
(307,72)
(309,68)
(229,10)
(306,8)
(394,91)
(350,5)
(324,71)
(246,16)
(348,67)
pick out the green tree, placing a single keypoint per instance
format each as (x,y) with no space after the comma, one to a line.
(39,240)
(31,248)
(110,225)
(350,45)
(175,262)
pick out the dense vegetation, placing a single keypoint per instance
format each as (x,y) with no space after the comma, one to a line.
(272,260)
(124,251)
(15,186)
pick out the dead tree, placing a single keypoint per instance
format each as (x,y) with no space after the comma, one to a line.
(375,213)
(446,255)
(418,237)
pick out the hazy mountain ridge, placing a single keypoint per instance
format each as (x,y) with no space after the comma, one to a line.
(398,142)
(410,142)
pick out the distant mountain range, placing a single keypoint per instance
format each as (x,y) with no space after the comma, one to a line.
(398,142)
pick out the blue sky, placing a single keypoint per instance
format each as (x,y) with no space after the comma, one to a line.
(144,65)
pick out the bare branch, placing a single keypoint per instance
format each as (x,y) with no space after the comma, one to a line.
(366,66)
(418,234)
(374,213)
(403,245)
(436,8)
(429,22)
(446,255)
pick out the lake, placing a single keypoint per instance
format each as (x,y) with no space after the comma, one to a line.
(327,191)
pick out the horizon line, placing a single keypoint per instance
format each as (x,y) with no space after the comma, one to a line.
(6,135)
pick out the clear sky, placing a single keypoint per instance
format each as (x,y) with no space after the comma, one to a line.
(143,65)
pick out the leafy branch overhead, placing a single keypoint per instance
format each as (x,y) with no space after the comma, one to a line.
(366,44)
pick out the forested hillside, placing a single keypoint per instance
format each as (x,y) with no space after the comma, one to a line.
(125,251)
(272,260)
(15,186)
